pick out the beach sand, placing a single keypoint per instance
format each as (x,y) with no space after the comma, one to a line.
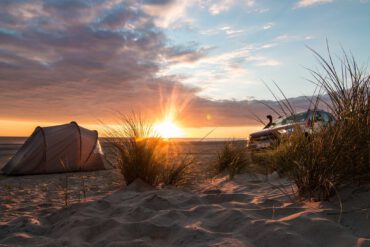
(39,195)
(247,211)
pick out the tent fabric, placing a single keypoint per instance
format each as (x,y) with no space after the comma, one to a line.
(62,148)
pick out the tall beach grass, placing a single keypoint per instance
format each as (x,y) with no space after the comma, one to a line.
(140,153)
(327,159)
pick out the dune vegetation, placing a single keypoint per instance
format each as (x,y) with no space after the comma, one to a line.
(233,159)
(140,153)
(324,161)
(319,163)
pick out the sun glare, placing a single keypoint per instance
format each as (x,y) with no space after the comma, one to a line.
(168,129)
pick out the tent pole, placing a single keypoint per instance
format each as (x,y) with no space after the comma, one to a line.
(79,133)
(45,146)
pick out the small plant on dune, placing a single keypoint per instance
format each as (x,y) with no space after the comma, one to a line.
(178,170)
(225,157)
(137,150)
(232,158)
(311,162)
(140,153)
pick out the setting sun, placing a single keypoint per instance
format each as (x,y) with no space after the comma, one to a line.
(168,129)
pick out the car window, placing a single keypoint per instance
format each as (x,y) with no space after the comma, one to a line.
(319,117)
(325,117)
(277,122)
(297,118)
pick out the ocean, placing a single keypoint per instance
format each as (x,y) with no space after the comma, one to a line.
(10,145)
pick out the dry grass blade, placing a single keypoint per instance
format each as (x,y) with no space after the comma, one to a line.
(136,149)
(178,171)
(232,158)
(281,104)
(140,153)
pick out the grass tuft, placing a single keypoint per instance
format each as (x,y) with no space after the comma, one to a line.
(232,158)
(140,153)
(178,171)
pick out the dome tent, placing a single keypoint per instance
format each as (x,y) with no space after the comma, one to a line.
(61,148)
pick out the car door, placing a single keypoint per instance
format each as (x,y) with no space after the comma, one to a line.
(322,119)
(315,121)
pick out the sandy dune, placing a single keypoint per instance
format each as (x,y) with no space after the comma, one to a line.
(40,195)
(243,212)
(247,211)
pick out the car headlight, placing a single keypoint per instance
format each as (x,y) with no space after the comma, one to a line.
(282,131)
(286,131)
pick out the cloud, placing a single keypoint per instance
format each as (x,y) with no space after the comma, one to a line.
(220,6)
(167,12)
(292,38)
(269,62)
(82,60)
(85,60)
(309,3)
(157,2)
(224,75)
(241,56)
(212,113)
(74,60)
(217,7)
(181,54)
(250,3)
(268,25)
(227,30)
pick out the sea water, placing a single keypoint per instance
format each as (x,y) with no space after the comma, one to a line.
(10,145)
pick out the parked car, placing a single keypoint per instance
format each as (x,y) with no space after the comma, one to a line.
(307,121)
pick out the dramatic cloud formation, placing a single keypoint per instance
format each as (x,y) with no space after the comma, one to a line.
(203,112)
(165,11)
(65,60)
(82,59)
(307,3)
(220,6)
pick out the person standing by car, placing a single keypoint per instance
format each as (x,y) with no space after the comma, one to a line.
(268,125)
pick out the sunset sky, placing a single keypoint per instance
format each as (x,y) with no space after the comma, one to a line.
(201,62)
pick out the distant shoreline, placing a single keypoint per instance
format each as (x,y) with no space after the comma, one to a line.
(8,140)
